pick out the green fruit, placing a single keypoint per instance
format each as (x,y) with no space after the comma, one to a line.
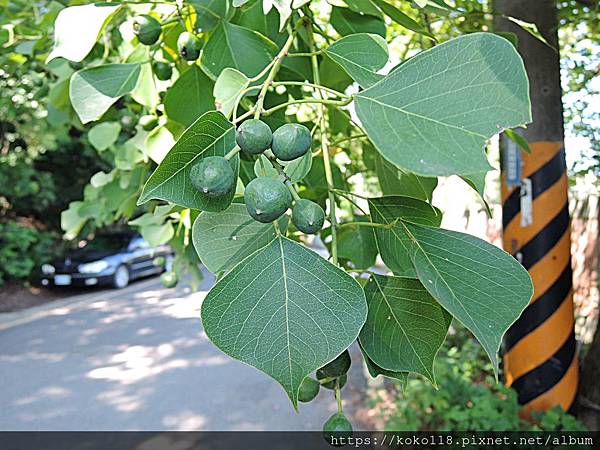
(338,367)
(168,279)
(307,216)
(189,46)
(148,122)
(291,141)
(308,390)
(213,176)
(337,426)
(254,136)
(159,261)
(331,384)
(162,70)
(267,199)
(147,29)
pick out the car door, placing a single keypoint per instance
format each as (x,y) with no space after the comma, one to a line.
(141,257)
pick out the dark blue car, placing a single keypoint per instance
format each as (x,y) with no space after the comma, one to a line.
(108,259)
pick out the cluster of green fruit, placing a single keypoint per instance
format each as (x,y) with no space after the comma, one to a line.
(329,376)
(266,198)
(147,29)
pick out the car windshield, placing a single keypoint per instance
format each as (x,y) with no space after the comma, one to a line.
(114,242)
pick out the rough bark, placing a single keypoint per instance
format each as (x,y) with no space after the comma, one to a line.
(543,67)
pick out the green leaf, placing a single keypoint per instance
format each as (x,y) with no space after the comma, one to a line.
(393,243)
(263,168)
(210,12)
(298,168)
(228,90)
(518,139)
(223,239)
(253,17)
(361,56)
(477,182)
(375,370)
(363,7)
(212,134)
(394,181)
(77,29)
(72,220)
(104,135)
(94,90)
(405,326)
(160,140)
(154,229)
(100,179)
(190,96)
(286,311)
(438,124)
(146,93)
(346,22)
(484,287)
(236,47)
(402,19)
(357,244)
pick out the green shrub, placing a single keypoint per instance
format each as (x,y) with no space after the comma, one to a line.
(468,397)
(22,250)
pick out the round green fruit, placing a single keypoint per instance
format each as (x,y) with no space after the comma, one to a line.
(254,136)
(308,390)
(267,199)
(168,279)
(307,216)
(331,384)
(291,141)
(189,46)
(148,122)
(338,367)
(337,426)
(213,176)
(162,70)
(159,261)
(147,29)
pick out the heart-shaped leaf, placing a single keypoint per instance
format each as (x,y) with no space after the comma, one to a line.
(237,47)
(212,134)
(222,239)
(405,326)
(286,311)
(433,115)
(94,90)
(478,283)
(361,56)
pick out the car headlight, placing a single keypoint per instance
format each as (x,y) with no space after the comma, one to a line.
(48,269)
(93,267)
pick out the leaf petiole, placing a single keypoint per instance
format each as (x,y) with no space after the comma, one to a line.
(234,151)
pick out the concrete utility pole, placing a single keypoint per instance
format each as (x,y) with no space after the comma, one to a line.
(540,358)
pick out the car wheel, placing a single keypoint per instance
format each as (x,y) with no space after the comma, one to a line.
(121,277)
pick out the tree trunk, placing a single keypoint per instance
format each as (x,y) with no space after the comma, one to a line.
(589,388)
(540,360)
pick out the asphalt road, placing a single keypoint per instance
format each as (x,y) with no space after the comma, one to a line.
(137,359)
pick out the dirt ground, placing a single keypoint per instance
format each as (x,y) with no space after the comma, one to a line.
(14,297)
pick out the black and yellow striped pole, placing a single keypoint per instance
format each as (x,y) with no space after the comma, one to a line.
(540,360)
(540,357)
